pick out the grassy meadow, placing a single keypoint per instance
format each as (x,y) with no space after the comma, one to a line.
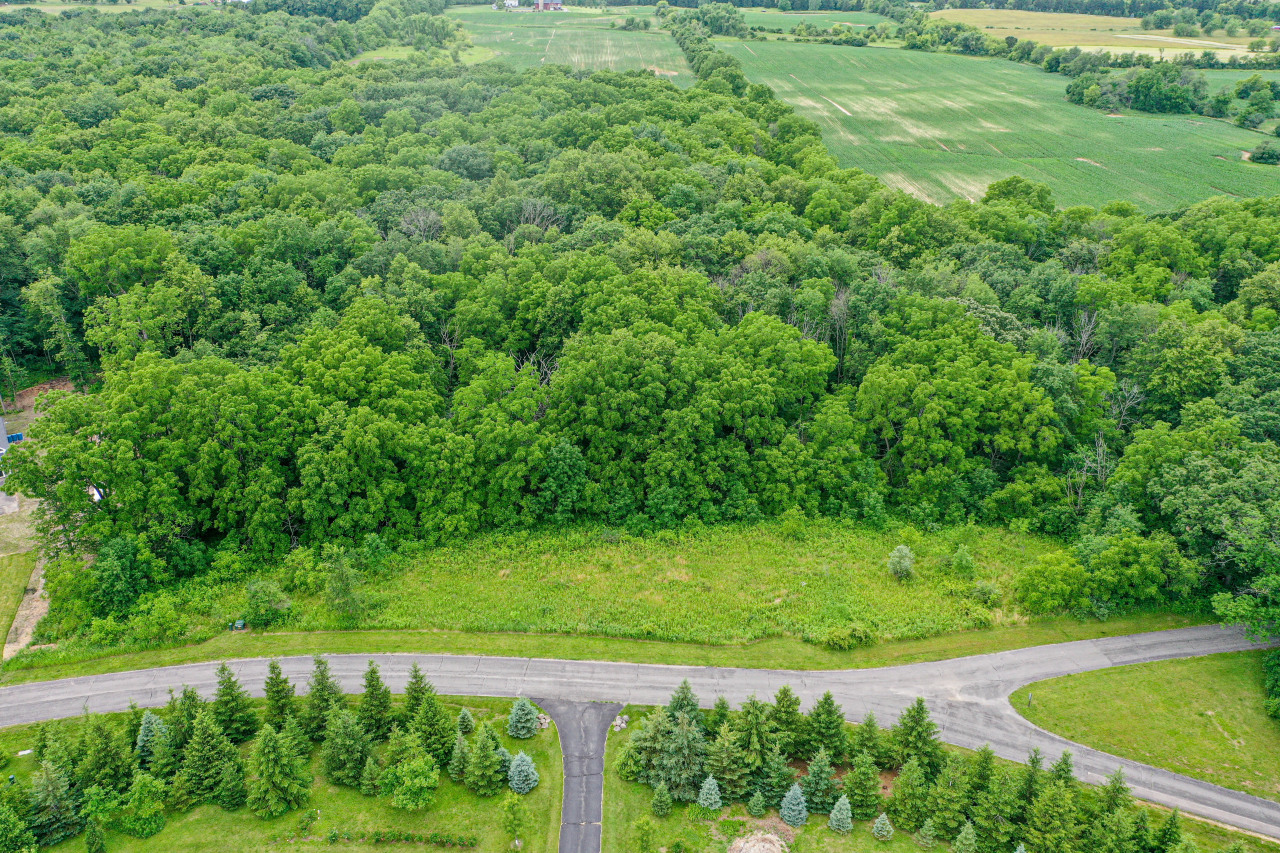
(15,571)
(1202,717)
(455,811)
(943,126)
(580,38)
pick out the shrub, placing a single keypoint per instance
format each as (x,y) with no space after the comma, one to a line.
(756,805)
(846,637)
(1266,153)
(902,563)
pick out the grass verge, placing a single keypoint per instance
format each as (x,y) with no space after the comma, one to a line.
(1201,717)
(15,571)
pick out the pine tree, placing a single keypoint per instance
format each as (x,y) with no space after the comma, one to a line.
(685,701)
(776,777)
(513,816)
(413,783)
(323,695)
(820,786)
(926,837)
(882,829)
(709,796)
(868,738)
(909,802)
(485,775)
(232,709)
(105,760)
(648,739)
(279,783)
(296,739)
(434,726)
(826,730)
(1112,833)
(15,835)
(841,819)
(788,723)
(994,812)
(231,793)
(523,775)
(862,785)
(55,813)
(755,736)
(149,731)
(1063,770)
(143,814)
(1170,833)
(466,722)
(1116,794)
(371,777)
(374,711)
(522,722)
(281,703)
(949,801)
(916,736)
(181,714)
(459,759)
(720,715)
(1033,780)
(134,724)
(982,768)
(504,760)
(413,693)
(166,755)
(794,810)
(346,746)
(756,806)
(1051,825)
(1144,840)
(727,762)
(661,804)
(682,761)
(966,840)
(204,759)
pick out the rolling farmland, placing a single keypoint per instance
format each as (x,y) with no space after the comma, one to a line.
(942,126)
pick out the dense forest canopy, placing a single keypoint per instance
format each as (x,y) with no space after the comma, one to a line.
(313,301)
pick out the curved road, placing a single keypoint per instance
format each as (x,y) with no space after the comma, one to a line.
(968,698)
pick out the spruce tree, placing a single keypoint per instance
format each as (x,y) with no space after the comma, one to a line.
(995,811)
(466,722)
(231,793)
(862,786)
(134,723)
(504,760)
(1112,833)
(720,714)
(684,701)
(143,814)
(683,758)
(296,739)
(777,777)
(371,777)
(820,785)
(727,762)
(105,760)
(435,728)
(948,802)
(788,723)
(1063,770)
(522,722)
(55,812)
(413,693)
(756,806)
(826,730)
(485,775)
(916,736)
(1115,795)
(166,755)
(323,695)
(661,804)
(648,739)
(523,775)
(346,746)
(1033,780)
(1170,833)
(755,735)
(374,711)
(868,738)
(925,837)
(709,796)
(181,714)
(1052,823)
(150,731)
(981,770)
(841,819)
(232,709)
(459,759)
(204,759)
(15,835)
(281,703)
(794,811)
(280,782)
(1144,840)
(966,840)
(882,829)
(909,801)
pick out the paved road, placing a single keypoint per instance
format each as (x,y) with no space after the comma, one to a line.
(583,728)
(967,696)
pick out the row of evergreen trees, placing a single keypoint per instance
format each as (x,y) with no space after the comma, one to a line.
(711,759)
(190,754)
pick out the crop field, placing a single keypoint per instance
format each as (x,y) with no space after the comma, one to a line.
(579,38)
(941,126)
(1090,31)
(772,18)
(1202,717)
(55,6)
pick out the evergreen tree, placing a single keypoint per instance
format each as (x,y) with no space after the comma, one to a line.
(1051,825)
(485,775)
(868,738)
(281,703)
(776,777)
(661,804)
(435,728)
(413,783)
(181,714)
(204,759)
(916,736)
(994,813)
(648,740)
(323,695)
(296,739)
(982,768)
(788,723)
(504,760)
(1170,833)
(841,819)
(402,746)
(925,837)
(826,730)
(1144,840)
(755,736)
(909,802)
(1033,780)
(413,693)
(794,811)
(709,795)
(232,709)
(280,783)
(820,785)
(1063,770)
(371,777)
(105,760)
(374,711)
(143,814)
(15,835)
(149,731)
(134,724)
(166,755)
(949,801)
(459,759)
(1115,795)
(727,762)
(720,715)
(346,746)
(95,840)
(683,758)
(966,840)
(522,722)
(466,722)
(523,775)
(231,793)
(1112,833)
(684,701)
(55,811)
(756,806)
(882,829)
(862,786)
(513,816)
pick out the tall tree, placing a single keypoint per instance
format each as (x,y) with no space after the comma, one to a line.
(788,722)
(826,729)
(755,735)
(150,732)
(522,722)
(949,801)
(346,746)
(820,785)
(916,736)
(485,775)
(55,810)
(727,762)
(374,710)
(231,707)
(435,728)
(281,702)
(684,701)
(683,756)
(204,759)
(862,788)
(909,803)
(868,738)
(417,687)
(323,695)
(1052,823)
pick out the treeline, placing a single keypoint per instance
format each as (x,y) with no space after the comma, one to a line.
(749,755)
(1243,9)
(131,778)
(1169,88)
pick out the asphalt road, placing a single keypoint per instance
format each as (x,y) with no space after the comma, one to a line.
(968,698)
(583,728)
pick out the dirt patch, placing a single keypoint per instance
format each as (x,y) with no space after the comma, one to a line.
(1114,115)
(27,396)
(758,842)
(1246,155)
(1090,162)
(35,604)
(661,72)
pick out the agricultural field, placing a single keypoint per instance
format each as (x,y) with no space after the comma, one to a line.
(55,6)
(942,126)
(580,38)
(773,19)
(1202,717)
(1090,32)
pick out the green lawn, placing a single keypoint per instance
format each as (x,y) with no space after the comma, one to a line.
(455,811)
(943,126)
(1201,717)
(581,38)
(15,571)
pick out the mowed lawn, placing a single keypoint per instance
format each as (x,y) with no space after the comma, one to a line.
(15,572)
(942,126)
(1202,717)
(579,38)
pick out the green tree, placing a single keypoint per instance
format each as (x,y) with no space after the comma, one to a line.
(281,702)
(434,726)
(661,803)
(788,723)
(231,707)
(371,777)
(882,829)
(413,783)
(103,758)
(682,760)
(868,738)
(522,722)
(756,806)
(323,695)
(862,787)
(485,775)
(916,736)
(278,783)
(466,722)
(841,819)
(949,801)
(720,714)
(909,803)
(1115,794)
(522,777)
(374,711)
(794,811)
(15,836)
(776,777)
(204,759)
(709,795)
(1052,825)
(826,729)
(296,739)
(820,785)
(1170,833)
(55,812)
(684,701)
(727,762)
(150,732)
(966,840)
(231,793)
(902,563)
(143,813)
(925,837)
(346,746)
(754,735)
(1063,770)
(414,690)
(513,816)
(459,759)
